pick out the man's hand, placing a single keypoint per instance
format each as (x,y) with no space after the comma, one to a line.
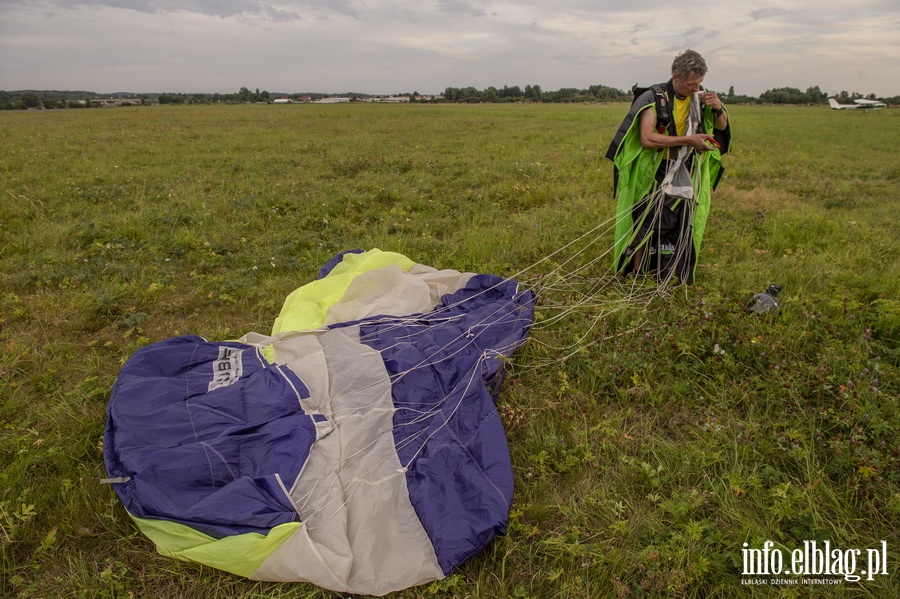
(702,142)
(708,98)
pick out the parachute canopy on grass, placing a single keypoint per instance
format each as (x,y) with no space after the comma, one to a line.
(357,447)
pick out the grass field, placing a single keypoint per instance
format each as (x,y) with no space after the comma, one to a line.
(676,429)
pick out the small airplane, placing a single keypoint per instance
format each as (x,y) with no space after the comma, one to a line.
(860,104)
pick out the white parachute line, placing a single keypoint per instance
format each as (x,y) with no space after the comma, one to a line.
(418,322)
(564,284)
(428,360)
(464,446)
(534,365)
(338,469)
(591,234)
(423,415)
(562,276)
(334,474)
(588,300)
(683,247)
(471,334)
(347,493)
(691,160)
(415,437)
(465,339)
(606,338)
(188,406)
(475,369)
(516,277)
(414,320)
(350,489)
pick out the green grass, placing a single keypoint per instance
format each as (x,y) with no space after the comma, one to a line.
(677,428)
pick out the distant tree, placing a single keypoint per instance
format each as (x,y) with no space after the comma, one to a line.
(816,95)
(30,100)
(470,95)
(172,99)
(514,92)
(730,93)
(533,93)
(566,94)
(784,95)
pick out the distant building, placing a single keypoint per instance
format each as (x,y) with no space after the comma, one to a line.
(282,101)
(337,100)
(116,102)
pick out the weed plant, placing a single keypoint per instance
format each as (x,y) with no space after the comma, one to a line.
(649,442)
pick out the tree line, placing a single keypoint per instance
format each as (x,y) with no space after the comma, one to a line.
(50,99)
(534,93)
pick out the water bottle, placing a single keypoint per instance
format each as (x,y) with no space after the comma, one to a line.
(765,302)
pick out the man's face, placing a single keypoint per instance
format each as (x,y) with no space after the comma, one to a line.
(687,86)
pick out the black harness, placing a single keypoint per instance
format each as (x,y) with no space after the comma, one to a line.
(664,120)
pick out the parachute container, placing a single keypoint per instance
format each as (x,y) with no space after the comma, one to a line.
(765,302)
(357,447)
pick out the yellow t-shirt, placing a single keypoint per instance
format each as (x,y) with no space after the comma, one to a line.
(681,112)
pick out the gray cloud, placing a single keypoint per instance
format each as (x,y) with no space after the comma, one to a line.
(214,8)
(378,46)
(463,7)
(765,13)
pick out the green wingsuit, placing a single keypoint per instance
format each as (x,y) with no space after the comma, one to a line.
(638,173)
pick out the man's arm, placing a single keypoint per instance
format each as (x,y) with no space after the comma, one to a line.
(712,100)
(650,138)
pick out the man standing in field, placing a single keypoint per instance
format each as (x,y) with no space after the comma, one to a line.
(668,158)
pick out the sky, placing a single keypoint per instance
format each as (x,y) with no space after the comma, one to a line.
(388,47)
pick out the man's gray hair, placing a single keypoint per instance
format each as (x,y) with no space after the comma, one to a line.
(688,63)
